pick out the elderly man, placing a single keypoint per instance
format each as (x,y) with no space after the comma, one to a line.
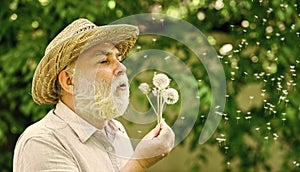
(81,72)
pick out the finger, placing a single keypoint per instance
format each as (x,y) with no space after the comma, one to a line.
(166,134)
(156,130)
(162,122)
(153,133)
(165,128)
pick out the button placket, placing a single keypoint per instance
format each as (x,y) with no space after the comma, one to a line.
(109,148)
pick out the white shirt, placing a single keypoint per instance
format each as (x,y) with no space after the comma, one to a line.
(62,141)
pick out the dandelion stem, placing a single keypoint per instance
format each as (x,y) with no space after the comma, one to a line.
(158,106)
(151,104)
(162,108)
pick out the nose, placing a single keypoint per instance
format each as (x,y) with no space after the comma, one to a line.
(120,69)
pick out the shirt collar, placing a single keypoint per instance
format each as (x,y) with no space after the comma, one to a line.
(81,127)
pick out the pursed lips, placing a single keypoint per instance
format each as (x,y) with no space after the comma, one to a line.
(122,86)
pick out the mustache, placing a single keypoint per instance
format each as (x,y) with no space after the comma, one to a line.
(118,81)
(100,98)
(121,80)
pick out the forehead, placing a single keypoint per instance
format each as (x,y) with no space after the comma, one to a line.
(86,62)
(91,55)
(106,47)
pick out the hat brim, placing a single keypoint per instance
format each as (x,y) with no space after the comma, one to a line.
(44,89)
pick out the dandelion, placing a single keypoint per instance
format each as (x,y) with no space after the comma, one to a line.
(161,81)
(170,96)
(144,87)
(163,94)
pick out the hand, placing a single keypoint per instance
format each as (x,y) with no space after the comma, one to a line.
(155,145)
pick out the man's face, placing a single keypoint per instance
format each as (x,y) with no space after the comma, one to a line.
(101,88)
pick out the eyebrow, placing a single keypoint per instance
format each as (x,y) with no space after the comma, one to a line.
(103,52)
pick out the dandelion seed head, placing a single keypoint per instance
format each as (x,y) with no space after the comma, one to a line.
(161,81)
(170,95)
(154,92)
(144,87)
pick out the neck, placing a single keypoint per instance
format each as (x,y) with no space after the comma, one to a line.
(96,122)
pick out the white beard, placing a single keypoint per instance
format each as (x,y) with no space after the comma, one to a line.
(100,100)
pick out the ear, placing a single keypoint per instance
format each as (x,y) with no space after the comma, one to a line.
(65,81)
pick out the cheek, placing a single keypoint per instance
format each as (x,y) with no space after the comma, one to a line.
(85,70)
(105,74)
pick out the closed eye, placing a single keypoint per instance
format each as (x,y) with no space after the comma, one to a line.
(103,61)
(102,57)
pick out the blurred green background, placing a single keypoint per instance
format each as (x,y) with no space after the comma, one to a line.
(258,45)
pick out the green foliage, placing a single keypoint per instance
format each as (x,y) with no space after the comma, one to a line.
(266,47)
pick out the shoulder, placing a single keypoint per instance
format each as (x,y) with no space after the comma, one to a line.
(40,140)
(40,150)
(45,129)
(47,125)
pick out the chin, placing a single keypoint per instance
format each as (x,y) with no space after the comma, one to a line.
(121,103)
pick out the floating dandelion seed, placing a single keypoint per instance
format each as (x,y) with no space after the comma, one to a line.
(219,113)
(269,10)
(293,26)
(285,92)
(238,118)
(167,57)
(275,135)
(248,117)
(296,163)
(251,97)
(228,163)
(220,140)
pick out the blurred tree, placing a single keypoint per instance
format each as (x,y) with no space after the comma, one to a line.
(257,41)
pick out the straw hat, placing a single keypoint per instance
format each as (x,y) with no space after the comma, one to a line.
(66,47)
